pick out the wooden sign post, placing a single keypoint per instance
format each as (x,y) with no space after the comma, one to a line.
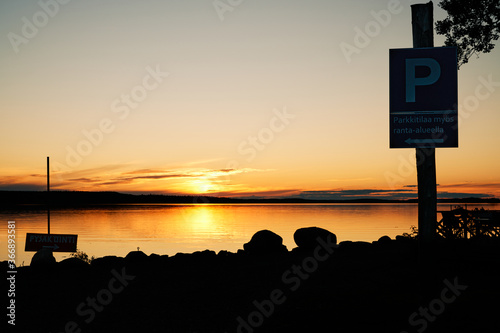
(423,110)
(422,20)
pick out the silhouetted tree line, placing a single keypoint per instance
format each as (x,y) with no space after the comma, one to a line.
(35,199)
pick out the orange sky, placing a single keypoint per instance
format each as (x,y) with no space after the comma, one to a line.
(262,99)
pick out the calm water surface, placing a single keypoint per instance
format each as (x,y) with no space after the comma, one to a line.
(168,228)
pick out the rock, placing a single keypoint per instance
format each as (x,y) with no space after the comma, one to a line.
(307,238)
(181,256)
(137,260)
(384,239)
(356,247)
(403,239)
(155,259)
(345,244)
(136,256)
(265,242)
(43,258)
(223,253)
(207,254)
(108,262)
(73,263)
(5,266)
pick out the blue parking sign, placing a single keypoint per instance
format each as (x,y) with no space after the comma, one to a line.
(423,97)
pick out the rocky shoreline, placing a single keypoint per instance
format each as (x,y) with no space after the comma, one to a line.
(318,286)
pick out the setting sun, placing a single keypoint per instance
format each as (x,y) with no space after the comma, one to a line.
(202,186)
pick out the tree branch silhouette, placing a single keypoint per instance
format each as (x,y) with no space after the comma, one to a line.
(471,25)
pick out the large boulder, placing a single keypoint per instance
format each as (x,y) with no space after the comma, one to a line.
(358,247)
(204,255)
(384,240)
(265,242)
(307,238)
(195,258)
(136,257)
(43,258)
(108,262)
(73,263)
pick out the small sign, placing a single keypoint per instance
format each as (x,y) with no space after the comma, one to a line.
(55,242)
(423,108)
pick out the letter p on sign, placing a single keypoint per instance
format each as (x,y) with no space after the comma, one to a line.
(412,81)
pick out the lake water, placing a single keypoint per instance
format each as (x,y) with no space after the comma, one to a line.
(172,228)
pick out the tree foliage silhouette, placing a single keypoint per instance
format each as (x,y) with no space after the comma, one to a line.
(471,25)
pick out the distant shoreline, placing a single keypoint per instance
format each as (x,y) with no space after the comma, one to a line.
(20,199)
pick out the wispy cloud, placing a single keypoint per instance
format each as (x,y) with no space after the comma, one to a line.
(244,192)
(493,185)
(21,187)
(143,171)
(457,195)
(83,180)
(115,175)
(31,182)
(408,192)
(135,175)
(103,170)
(38,175)
(340,194)
(349,180)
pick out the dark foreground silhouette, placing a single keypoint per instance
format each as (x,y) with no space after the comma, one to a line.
(317,287)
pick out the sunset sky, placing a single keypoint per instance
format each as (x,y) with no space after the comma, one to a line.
(226,98)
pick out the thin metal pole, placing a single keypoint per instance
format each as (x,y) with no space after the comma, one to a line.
(48,196)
